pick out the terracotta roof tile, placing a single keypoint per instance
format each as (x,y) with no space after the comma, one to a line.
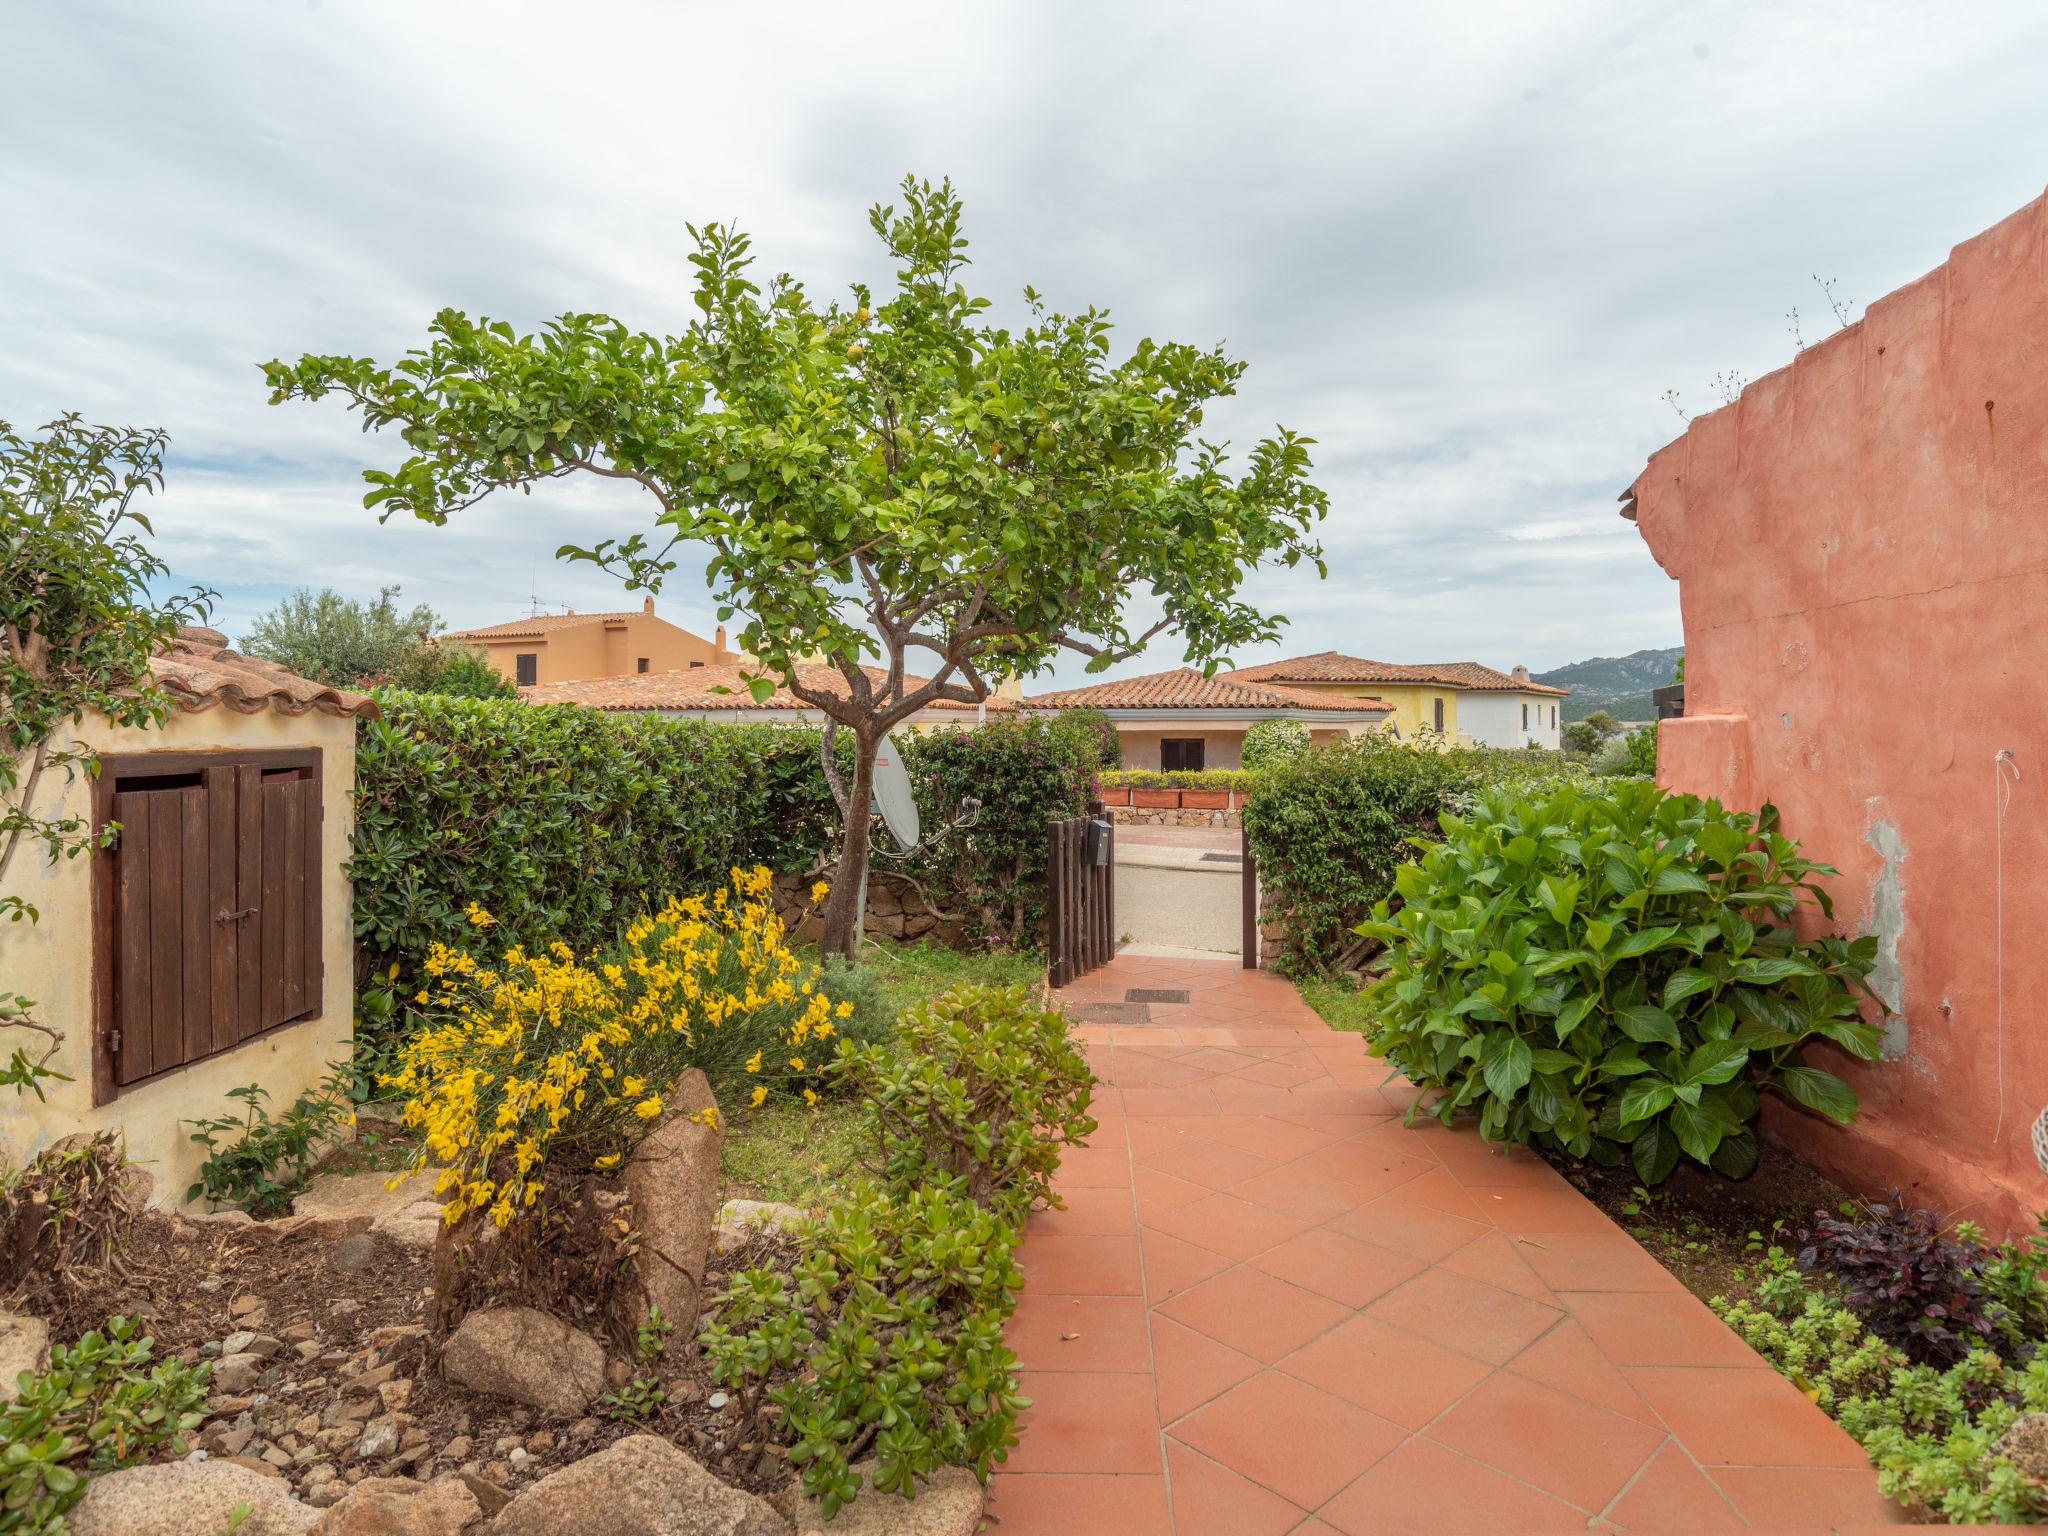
(199,671)
(695,688)
(1336,667)
(540,624)
(1187,688)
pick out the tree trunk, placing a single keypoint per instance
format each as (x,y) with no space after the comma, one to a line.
(843,907)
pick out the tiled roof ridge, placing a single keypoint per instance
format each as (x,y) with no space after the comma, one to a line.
(1188,688)
(690,688)
(199,670)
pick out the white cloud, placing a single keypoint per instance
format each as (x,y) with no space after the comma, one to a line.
(1465,249)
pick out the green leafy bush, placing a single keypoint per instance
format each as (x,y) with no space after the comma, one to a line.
(99,1406)
(1104,747)
(887,1338)
(258,1164)
(1329,827)
(1639,753)
(886,1341)
(1931,1431)
(1274,741)
(980,1095)
(1610,973)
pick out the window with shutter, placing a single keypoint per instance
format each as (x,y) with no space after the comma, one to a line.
(207,904)
(1439,715)
(526,668)
(1183,754)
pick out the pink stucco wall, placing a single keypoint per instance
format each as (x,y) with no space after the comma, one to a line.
(1861,543)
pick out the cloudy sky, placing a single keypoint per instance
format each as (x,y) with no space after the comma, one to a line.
(1467,248)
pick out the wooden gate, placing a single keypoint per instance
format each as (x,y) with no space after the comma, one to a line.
(1080,879)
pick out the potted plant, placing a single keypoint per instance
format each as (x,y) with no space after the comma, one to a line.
(1113,788)
(1153,790)
(1207,791)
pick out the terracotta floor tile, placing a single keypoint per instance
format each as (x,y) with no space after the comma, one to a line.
(1387,1370)
(1594,1261)
(1291,1190)
(1211,1500)
(1663,1328)
(1564,1445)
(1785,1496)
(1095,1168)
(1750,1417)
(1192,1368)
(1672,1494)
(1159,1192)
(1055,1504)
(1086,1422)
(1495,1259)
(1173,1265)
(1081,1266)
(1438,1191)
(1080,1333)
(1285,1435)
(1368,1168)
(1475,1319)
(1283,1072)
(1090,1212)
(1169,1101)
(1235,1228)
(1254,1313)
(1557,1208)
(1417,1230)
(1339,1267)
(1267,1136)
(1209,1163)
(1565,1358)
(1421,1486)
(1313,1527)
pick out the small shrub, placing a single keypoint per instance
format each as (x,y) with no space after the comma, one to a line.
(1274,741)
(1103,746)
(644,1393)
(100,1405)
(63,1218)
(1930,1431)
(547,1068)
(887,1340)
(1610,974)
(259,1164)
(1640,756)
(1915,1287)
(980,1097)
(861,991)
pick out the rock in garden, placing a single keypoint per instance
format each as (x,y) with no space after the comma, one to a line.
(672,1181)
(188,1498)
(379,1438)
(2025,1445)
(639,1486)
(949,1505)
(237,1373)
(741,1220)
(24,1346)
(338,1205)
(526,1355)
(398,1506)
(411,1226)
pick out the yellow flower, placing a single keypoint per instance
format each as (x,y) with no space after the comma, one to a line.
(811,1097)
(609,1160)
(649,1107)
(820,890)
(477,916)
(632,1087)
(796,1063)
(760,1095)
(754,1062)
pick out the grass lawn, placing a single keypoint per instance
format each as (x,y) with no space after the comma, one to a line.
(785,1151)
(1339,1002)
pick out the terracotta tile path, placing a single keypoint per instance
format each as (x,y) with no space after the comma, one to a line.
(1271,1308)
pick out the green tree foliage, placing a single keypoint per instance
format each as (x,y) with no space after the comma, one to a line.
(350,644)
(1105,746)
(1639,757)
(1615,974)
(896,478)
(1328,828)
(77,628)
(1274,741)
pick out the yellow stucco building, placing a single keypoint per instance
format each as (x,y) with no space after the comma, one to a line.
(575,647)
(1463,702)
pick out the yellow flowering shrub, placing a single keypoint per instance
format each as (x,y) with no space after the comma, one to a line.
(547,1065)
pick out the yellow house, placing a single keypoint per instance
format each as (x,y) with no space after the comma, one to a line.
(575,647)
(1462,702)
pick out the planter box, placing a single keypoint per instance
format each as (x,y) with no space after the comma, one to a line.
(1119,794)
(1157,799)
(1205,799)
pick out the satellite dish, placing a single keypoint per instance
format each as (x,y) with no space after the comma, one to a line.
(892,794)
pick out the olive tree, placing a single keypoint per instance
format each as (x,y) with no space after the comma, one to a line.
(77,628)
(895,480)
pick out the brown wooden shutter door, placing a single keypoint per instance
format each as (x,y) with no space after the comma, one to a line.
(163,930)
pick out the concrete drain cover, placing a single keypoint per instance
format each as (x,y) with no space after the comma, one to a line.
(1224,858)
(1108,1013)
(1156,995)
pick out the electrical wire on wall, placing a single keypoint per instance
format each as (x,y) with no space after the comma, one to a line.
(2005,772)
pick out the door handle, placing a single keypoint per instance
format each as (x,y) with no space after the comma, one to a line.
(224,916)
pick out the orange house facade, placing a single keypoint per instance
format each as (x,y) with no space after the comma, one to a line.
(576,647)
(1861,547)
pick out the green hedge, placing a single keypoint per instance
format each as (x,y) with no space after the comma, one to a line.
(564,822)
(1179,778)
(1329,826)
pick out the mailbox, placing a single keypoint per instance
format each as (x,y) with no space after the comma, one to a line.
(1096,850)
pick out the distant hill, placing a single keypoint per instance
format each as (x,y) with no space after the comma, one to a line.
(1618,684)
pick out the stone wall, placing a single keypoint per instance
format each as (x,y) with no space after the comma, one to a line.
(1164,816)
(895,911)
